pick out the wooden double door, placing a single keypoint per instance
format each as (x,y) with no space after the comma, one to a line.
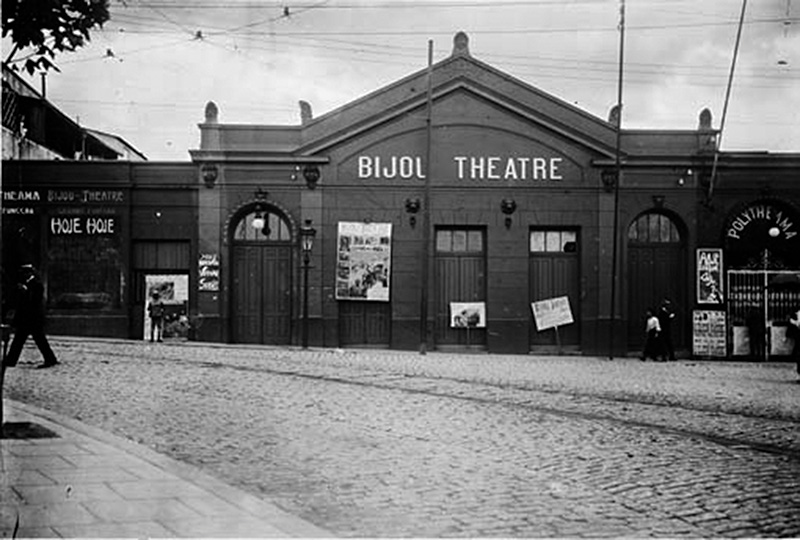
(656,270)
(262,294)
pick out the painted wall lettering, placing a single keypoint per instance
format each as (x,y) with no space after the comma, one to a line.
(464,168)
(761,212)
(16,196)
(80,225)
(392,167)
(513,168)
(86,196)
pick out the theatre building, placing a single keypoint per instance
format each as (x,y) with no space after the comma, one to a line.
(458,208)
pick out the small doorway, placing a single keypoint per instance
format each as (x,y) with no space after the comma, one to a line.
(261,306)
(554,271)
(460,274)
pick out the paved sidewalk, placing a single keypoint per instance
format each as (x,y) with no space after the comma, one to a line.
(88,483)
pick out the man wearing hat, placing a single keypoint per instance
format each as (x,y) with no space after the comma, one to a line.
(29,318)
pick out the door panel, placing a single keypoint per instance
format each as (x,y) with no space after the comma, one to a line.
(276,301)
(655,271)
(459,278)
(364,323)
(262,294)
(553,275)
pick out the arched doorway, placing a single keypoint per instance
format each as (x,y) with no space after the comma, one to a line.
(261,255)
(656,269)
(762,256)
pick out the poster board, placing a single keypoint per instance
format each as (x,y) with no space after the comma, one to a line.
(363,261)
(709,276)
(173,289)
(552,313)
(467,314)
(780,343)
(208,272)
(708,333)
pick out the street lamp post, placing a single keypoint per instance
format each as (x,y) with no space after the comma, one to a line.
(307,234)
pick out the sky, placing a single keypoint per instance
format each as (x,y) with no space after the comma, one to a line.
(149,72)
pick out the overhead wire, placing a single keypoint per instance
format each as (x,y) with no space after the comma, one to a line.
(354,47)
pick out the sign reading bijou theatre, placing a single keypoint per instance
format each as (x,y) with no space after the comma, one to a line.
(535,168)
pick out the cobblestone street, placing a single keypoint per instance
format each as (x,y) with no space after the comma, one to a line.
(389,444)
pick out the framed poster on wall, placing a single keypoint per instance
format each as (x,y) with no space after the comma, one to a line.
(467,315)
(708,333)
(363,261)
(709,276)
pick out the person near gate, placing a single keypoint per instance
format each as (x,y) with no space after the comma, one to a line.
(793,331)
(652,345)
(666,315)
(29,318)
(156,313)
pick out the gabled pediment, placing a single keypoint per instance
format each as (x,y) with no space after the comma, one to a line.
(459,74)
(403,105)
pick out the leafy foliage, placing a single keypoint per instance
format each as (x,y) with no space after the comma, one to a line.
(49,27)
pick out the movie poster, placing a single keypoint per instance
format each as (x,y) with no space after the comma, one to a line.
(709,276)
(363,264)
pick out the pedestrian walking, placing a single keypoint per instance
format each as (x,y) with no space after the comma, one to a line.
(756,333)
(666,315)
(156,312)
(652,340)
(793,331)
(29,318)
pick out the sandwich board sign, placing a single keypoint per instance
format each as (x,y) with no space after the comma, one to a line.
(552,313)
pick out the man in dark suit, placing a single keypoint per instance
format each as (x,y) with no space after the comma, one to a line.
(666,314)
(29,318)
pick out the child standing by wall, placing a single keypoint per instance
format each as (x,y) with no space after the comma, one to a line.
(652,341)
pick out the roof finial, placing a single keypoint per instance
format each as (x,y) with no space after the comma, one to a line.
(305,112)
(212,113)
(705,120)
(461,44)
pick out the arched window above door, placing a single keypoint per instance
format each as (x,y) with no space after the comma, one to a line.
(654,228)
(275,228)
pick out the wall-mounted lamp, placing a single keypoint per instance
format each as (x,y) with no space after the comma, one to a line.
(259,221)
(508,207)
(609,179)
(412,207)
(685,177)
(312,174)
(209,173)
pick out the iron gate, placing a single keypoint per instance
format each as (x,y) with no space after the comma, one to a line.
(758,312)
